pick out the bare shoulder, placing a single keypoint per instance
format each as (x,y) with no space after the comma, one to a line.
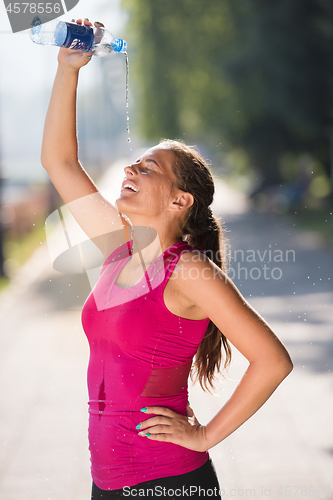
(191,282)
(196,265)
(176,297)
(206,285)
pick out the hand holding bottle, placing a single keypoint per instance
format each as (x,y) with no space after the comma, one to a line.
(75,59)
(95,40)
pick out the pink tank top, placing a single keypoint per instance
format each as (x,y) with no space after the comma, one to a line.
(140,355)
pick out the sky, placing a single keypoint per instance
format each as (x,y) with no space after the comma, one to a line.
(26,75)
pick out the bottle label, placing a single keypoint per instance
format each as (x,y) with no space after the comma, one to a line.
(79,37)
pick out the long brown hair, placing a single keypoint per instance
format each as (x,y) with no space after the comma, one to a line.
(203,231)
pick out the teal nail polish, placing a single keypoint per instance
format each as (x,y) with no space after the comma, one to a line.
(147,434)
(138,426)
(89,57)
(188,403)
(144,409)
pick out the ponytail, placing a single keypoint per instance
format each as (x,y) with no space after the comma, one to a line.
(202,230)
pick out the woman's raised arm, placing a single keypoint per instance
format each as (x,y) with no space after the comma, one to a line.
(59,154)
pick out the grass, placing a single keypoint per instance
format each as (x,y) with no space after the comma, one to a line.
(20,247)
(3,282)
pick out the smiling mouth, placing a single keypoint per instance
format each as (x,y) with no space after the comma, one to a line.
(128,187)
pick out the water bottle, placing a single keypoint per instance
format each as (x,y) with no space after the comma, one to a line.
(97,40)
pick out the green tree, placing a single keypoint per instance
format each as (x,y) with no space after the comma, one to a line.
(253,75)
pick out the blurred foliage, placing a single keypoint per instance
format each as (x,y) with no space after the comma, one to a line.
(245,75)
(18,248)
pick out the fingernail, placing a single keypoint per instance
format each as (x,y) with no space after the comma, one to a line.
(141,434)
(73,20)
(138,426)
(89,57)
(188,403)
(147,434)
(86,19)
(144,409)
(96,22)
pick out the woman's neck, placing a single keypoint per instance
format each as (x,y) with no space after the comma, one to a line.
(149,252)
(149,240)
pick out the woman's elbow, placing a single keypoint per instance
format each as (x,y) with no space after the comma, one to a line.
(278,364)
(281,360)
(284,365)
(288,368)
(45,160)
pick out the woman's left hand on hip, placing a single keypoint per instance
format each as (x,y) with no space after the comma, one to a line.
(171,427)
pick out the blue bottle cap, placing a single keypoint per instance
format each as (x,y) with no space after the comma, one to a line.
(119,45)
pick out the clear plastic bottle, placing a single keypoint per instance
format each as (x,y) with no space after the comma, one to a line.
(97,40)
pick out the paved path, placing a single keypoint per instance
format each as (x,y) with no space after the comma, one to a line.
(44,354)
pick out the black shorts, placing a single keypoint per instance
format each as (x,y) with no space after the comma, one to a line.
(198,484)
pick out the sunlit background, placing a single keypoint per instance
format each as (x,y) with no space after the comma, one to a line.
(251,84)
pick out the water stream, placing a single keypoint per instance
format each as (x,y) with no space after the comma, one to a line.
(127,116)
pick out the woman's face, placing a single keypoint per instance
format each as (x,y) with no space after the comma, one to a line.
(152,178)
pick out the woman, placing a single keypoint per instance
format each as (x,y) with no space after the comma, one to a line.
(157,304)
